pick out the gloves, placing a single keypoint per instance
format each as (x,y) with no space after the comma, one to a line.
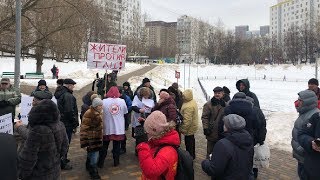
(207,132)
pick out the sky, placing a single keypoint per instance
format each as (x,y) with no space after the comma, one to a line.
(254,13)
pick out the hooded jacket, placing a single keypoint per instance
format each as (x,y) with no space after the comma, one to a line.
(46,143)
(308,108)
(67,105)
(232,157)
(166,160)
(247,91)
(189,111)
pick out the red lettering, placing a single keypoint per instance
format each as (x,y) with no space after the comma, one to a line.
(97,62)
(102,47)
(102,55)
(94,55)
(93,47)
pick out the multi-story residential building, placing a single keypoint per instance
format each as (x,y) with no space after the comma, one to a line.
(264,30)
(192,34)
(241,31)
(287,13)
(162,37)
(130,12)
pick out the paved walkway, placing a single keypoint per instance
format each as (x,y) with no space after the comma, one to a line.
(282,165)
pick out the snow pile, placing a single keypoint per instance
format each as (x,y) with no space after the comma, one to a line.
(75,70)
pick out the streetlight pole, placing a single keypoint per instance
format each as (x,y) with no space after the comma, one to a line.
(17,45)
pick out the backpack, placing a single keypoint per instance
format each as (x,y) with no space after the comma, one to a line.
(185,169)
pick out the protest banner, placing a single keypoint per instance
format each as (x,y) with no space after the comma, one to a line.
(6,124)
(106,56)
(26,105)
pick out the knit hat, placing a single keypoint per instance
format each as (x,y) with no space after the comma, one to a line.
(226,90)
(145,80)
(113,92)
(42,82)
(156,124)
(234,122)
(218,89)
(96,102)
(126,84)
(42,95)
(313,81)
(5,80)
(239,95)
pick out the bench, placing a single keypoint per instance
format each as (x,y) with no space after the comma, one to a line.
(34,76)
(7,75)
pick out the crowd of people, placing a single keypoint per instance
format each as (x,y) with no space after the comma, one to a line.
(231,126)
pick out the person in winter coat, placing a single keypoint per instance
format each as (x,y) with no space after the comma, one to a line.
(54,72)
(189,127)
(42,86)
(142,105)
(8,157)
(46,144)
(241,106)
(243,85)
(174,88)
(306,106)
(91,135)
(212,114)
(232,156)
(127,90)
(313,86)
(87,101)
(307,136)
(146,83)
(9,98)
(167,106)
(114,109)
(161,133)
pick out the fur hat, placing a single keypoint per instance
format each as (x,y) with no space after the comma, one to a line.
(60,82)
(156,124)
(113,92)
(97,102)
(42,95)
(239,95)
(42,82)
(234,122)
(44,113)
(145,80)
(313,81)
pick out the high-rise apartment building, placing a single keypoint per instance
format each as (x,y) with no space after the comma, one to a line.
(162,36)
(287,13)
(241,31)
(130,17)
(264,30)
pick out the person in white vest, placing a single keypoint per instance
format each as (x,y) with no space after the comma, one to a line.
(114,109)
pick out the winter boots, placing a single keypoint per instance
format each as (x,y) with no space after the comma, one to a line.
(93,171)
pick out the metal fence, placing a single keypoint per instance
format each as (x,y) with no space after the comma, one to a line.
(204,91)
(252,78)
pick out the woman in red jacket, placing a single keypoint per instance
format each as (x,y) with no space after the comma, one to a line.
(157,163)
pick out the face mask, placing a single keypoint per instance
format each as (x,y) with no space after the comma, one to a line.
(296,103)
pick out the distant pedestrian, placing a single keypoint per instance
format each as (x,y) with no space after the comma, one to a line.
(212,114)
(161,134)
(114,109)
(10,97)
(243,85)
(189,127)
(306,106)
(54,72)
(127,90)
(46,144)
(91,135)
(232,156)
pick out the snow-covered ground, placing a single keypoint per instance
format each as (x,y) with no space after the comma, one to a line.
(75,70)
(275,95)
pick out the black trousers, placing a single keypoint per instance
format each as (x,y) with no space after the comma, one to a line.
(190,143)
(103,152)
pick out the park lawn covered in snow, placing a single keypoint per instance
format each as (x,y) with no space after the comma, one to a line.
(74,70)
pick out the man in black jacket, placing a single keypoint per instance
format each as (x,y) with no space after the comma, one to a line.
(243,85)
(232,156)
(307,138)
(67,105)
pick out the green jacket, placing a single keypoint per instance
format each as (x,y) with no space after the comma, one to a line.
(9,98)
(189,111)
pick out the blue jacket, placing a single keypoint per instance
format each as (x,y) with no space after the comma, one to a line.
(306,135)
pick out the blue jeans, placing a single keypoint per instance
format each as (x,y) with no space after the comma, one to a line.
(93,157)
(69,133)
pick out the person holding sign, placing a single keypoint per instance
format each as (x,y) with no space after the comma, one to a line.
(9,98)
